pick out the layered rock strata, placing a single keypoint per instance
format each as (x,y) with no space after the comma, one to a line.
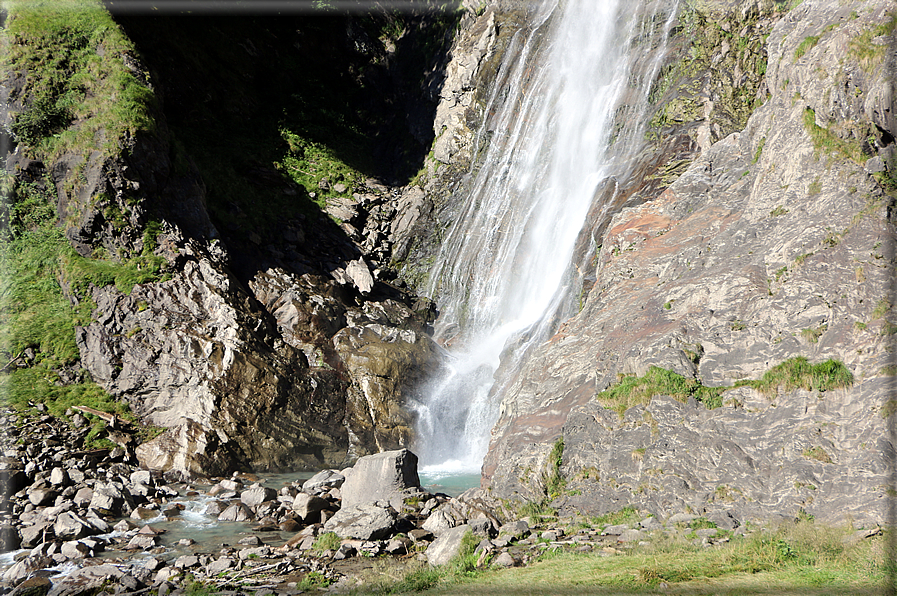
(776,242)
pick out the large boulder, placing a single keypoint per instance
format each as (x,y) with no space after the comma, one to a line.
(447,546)
(361,522)
(380,477)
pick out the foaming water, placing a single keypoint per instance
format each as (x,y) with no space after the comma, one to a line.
(565,119)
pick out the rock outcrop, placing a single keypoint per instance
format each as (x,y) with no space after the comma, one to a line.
(775,243)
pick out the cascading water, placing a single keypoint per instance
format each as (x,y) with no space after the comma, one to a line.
(566,115)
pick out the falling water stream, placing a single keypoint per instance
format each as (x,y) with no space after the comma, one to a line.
(566,117)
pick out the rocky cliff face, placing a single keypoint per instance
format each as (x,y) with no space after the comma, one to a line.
(775,242)
(277,344)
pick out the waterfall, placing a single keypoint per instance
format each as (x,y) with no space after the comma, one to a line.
(565,116)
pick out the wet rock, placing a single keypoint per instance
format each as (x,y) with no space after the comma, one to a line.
(256,495)
(141,542)
(35,534)
(108,499)
(86,580)
(75,549)
(237,512)
(35,586)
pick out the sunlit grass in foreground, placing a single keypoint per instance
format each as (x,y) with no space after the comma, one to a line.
(802,559)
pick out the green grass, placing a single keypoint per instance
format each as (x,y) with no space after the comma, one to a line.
(796,559)
(794,373)
(826,141)
(805,46)
(327,541)
(626,515)
(35,314)
(817,453)
(632,390)
(555,482)
(65,46)
(868,55)
(798,373)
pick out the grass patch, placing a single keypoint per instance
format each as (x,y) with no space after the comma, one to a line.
(75,58)
(626,515)
(805,46)
(759,151)
(327,541)
(798,373)
(794,373)
(555,481)
(817,453)
(890,408)
(826,141)
(867,54)
(812,334)
(632,390)
(778,211)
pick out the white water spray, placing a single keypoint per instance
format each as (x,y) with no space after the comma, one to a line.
(565,116)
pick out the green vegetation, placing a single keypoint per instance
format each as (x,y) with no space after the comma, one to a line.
(759,151)
(555,481)
(35,316)
(805,46)
(779,210)
(799,559)
(626,515)
(826,141)
(812,334)
(327,541)
(866,53)
(817,453)
(798,373)
(64,46)
(678,90)
(794,373)
(285,124)
(815,187)
(632,390)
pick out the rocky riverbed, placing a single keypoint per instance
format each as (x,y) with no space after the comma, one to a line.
(79,521)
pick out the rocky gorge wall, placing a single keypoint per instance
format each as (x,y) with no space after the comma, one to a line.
(756,228)
(758,233)
(259,330)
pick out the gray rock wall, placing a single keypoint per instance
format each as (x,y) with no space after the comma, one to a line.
(776,242)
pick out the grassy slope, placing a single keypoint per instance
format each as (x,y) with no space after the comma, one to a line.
(56,45)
